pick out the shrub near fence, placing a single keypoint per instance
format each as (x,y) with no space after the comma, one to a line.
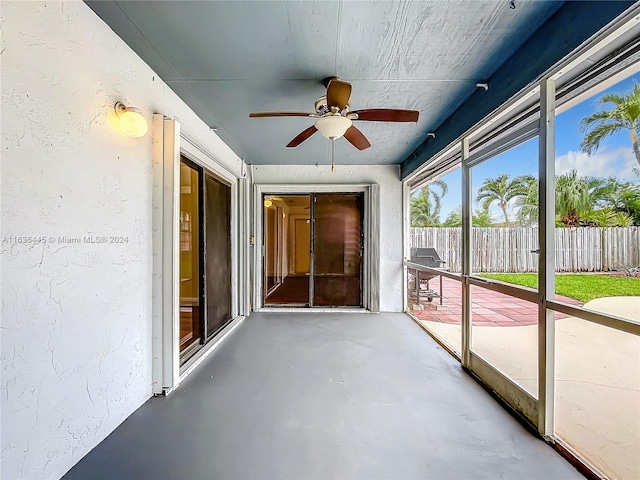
(500,249)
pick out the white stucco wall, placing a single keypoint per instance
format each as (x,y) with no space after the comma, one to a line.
(388,178)
(76,317)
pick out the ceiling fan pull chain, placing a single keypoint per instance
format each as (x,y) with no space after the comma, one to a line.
(333,153)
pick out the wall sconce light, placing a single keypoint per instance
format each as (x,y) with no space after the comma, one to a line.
(132,123)
(267,202)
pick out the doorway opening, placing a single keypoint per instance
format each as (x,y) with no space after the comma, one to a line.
(313,250)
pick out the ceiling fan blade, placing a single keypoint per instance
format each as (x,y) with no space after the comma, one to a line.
(356,138)
(279,114)
(387,115)
(302,136)
(338,93)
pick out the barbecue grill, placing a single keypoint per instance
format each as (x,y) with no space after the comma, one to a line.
(429,258)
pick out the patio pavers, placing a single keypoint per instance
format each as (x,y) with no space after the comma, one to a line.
(489,308)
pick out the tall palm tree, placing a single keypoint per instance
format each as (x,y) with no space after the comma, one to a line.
(625,115)
(528,202)
(501,190)
(424,213)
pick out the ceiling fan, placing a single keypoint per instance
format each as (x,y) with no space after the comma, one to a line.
(335,119)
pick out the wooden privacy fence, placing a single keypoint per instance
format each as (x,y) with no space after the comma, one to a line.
(500,249)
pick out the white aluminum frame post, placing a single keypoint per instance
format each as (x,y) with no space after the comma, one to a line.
(467,223)
(547,261)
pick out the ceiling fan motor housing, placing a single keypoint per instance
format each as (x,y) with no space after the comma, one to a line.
(321,106)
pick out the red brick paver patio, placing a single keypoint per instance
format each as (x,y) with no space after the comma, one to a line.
(489,308)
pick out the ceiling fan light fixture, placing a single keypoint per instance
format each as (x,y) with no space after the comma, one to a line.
(333,126)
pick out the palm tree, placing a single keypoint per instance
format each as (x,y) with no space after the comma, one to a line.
(625,115)
(527,203)
(502,190)
(577,196)
(599,201)
(606,217)
(423,212)
(624,197)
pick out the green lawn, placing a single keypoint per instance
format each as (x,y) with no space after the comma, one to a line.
(582,287)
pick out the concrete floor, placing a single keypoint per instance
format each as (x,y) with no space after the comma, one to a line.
(325,396)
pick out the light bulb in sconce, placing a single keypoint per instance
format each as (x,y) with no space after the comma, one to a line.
(132,122)
(267,202)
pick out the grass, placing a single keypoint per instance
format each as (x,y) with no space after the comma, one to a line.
(582,287)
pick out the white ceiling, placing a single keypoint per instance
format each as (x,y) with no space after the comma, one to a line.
(229,58)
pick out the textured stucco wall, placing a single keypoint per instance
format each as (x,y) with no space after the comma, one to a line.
(76,317)
(387,176)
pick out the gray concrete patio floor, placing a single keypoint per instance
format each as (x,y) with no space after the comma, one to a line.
(325,396)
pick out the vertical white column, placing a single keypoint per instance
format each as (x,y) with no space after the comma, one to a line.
(236,238)
(244,284)
(406,237)
(258,245)
(546,271)
(171,255)
(374,216)
(157,282)
(466,255)
(166,254)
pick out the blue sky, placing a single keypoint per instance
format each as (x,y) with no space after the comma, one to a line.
(614,157)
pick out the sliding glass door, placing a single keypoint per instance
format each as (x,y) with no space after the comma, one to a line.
(205,257)
(313,250)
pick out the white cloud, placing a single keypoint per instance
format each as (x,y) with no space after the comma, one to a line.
(618,163)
